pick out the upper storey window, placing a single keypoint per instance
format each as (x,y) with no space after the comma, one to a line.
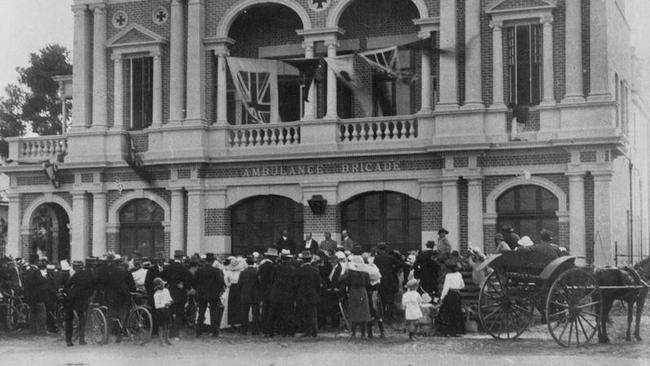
(524,64)
(140,92)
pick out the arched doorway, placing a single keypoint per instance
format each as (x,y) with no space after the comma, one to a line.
(528,209)
(383,217)
(141,228)
(50,232)
(257,222)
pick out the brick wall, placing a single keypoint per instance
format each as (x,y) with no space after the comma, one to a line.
(563,234)
(524,158)
(112,242)
(559,25)
(462,207)
(217,221)
(431,216)
(489,231)
(586,47)
(460,49)
(486,54)
(589,217)
(329,221)
(491,182)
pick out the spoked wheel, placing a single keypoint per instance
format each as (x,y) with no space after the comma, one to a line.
(60,323)
(572,308)
(505,309)
(96,327)
(139,325)
(10,315)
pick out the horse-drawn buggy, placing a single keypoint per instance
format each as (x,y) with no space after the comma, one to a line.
(569,298)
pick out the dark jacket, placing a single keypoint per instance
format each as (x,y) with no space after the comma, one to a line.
(285,244)
(511,239)
(36,286)
(313,246)
(120,284)
(152,273)
(249,286)
(265,278)
(427,270)
(388,266)
(79,288)
(283,290)
(60,278)
(309,284)
(208,283)
(178,281)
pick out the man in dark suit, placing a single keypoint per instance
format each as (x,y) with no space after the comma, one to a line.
(249,288)
(36,290)
(209,285)
(265,278)
(309,244)
(308,294)
(427,269)
(283,295)
(388,266)
(285,242)
(178,281)
(78,290)
(156,270)
(118,289)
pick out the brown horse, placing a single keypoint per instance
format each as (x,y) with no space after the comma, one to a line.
(628,279)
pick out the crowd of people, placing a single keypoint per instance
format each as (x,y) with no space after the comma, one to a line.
(291,288)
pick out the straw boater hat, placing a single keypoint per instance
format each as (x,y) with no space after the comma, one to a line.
(339,255)
(65,266)
(443,231)
(286,253)
(525,241)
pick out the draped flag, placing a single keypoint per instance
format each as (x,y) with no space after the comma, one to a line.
(310,68)
(384,60)
(256,81)
(347,69)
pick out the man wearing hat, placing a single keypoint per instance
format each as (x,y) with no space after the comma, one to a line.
(426,269)
(78,290)
(209,285)
(545,250)
(178,280)
(265,277)
(308,294)
(388,266)
(444,247)
(285,242)
(156,270)
(283,294)
(120,284)
(249,290)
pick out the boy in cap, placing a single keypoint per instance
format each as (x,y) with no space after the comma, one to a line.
(162,302)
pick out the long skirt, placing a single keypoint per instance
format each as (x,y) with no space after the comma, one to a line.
(234,307)
(224,316)
(358,305)
(450,317)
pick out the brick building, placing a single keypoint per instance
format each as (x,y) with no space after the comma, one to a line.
(480,114)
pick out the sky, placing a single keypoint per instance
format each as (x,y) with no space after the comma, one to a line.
(28,25)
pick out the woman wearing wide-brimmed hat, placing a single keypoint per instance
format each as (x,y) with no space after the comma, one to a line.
(356,280)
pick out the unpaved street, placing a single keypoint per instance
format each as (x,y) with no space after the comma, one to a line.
(534,348)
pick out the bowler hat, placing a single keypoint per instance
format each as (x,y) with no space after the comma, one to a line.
(430,244)
(286,253)
(210,258)
(443,231)
(305,255)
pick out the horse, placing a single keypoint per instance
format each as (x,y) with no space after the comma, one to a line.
(622,277)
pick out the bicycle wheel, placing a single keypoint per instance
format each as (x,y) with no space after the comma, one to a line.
(96,326)
(139,324)
(9,316)
(22,318)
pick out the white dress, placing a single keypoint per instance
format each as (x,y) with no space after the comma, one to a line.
(411,301)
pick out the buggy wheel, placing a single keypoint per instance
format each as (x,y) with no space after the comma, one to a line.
(139,325)
(96,326)
(505,309)
(572,308)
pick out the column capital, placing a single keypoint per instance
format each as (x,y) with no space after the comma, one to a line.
(97,8)
(546,20)
(177,192)
(496,25)
(156,54)
(474,181)
(77,194)
(79,10)
(602,176)
(332,43)
(449,181)
(13,196)
(177,2)
(117,56)
(98,194)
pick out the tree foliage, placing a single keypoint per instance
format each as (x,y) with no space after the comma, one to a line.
(42,107)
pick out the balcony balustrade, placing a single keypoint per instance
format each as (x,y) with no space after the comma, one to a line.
(30,149)
(378,129)
(264,135)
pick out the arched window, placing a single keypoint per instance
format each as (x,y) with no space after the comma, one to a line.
(141,228)
(528,209)
(383,217)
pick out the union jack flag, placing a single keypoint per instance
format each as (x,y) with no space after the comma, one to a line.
(255,84)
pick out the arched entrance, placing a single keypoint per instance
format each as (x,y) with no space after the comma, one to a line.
(141,228)
(257,222)
(528,209)
(383,217)
(49,228)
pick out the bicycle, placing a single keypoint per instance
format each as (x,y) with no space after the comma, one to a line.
(137,326)
(59,316)
(14,311)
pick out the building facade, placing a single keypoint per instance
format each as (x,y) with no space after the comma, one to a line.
(210,125)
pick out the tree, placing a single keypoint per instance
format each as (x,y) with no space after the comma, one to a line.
(11,121)
(42,106)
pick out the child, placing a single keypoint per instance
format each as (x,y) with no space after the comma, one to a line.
(411,301)
(162,301)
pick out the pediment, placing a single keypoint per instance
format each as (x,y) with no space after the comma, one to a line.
(135,34)
(504,6)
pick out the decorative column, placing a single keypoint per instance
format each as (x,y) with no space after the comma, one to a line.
(177,234)
(473,90)
(222,86)
(427,84)
(332,102)
(547,44)
(195,220)
(81,78)
(195,93)
(573,54)
(99,224)
(577,243)
(310,105)
(475,213)
(177,63)
(157,108)
(497,65)
(450,210)
(448,69)
(603,244)
(599,89)
(79,222)
(118,92)
(13,247)
(99,68)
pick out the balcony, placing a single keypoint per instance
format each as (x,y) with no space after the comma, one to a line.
(37,149)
